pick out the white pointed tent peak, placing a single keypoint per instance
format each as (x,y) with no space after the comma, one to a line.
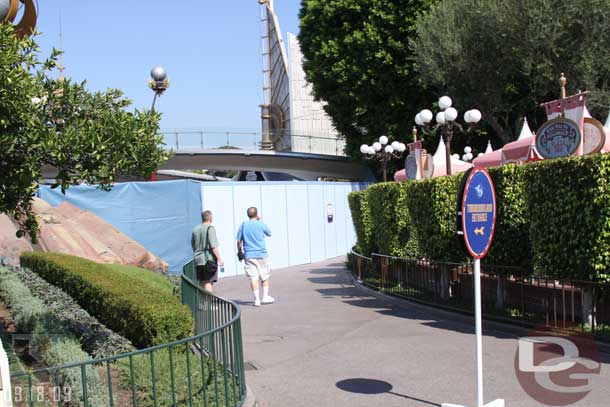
(586,113)
(489,149)
(525,130)
(440,155)
(607,125)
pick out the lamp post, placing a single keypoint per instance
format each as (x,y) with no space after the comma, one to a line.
(447,124)
(159,82)
(383,152)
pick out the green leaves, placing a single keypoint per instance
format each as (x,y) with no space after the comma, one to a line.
(505,56)
(553,218)
(358,60)
(87,137)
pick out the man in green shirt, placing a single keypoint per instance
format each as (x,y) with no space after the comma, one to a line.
(207,255)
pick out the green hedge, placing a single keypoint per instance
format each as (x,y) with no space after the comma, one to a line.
(432,206)
(361,216)
(569,206)
(553,218)
(126,303)
(391,232)
(511,245)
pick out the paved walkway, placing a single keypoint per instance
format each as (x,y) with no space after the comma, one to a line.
(323,336)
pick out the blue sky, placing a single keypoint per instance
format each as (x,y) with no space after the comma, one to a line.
(211,50)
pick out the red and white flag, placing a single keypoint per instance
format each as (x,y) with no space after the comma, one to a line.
(572,106)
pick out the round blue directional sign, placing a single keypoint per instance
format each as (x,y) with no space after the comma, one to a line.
(478,212)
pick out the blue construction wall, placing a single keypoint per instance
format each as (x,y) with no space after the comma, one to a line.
(296,213)
(161,216)
(158,215)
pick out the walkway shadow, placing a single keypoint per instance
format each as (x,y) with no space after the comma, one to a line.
(427,316)
(373,386)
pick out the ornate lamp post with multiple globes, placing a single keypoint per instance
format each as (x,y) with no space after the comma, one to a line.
(383,152)
(159,82)
(447,124)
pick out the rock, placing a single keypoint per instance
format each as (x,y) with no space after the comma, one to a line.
(67,229)
(10,245)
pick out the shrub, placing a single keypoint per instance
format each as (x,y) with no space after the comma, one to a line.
(205,375)
(125,302)
(361,216)
(569,214)
(511,244)
(432,205)
(96,339)
(53,345)
(392,230)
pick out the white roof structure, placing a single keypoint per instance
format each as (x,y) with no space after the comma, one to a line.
(304,125)
(440,161)
(525,130)
(311,128)
(489,149)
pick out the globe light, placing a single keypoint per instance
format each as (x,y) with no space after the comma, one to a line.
(475,116)
(364,149)
(451,114)
(402,147)
(158,74)
(479,155)
(444,102)
(456,156)
(395,145)
(425,116)
(418,120)
(440,117)
(371,151)
(467,118)
(383,140)
(465,157)
(469,156)
(468,149)
(389,149)
(377,146)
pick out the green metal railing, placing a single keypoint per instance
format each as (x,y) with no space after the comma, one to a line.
(204,370)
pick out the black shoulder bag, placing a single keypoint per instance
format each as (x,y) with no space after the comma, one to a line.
(211,266)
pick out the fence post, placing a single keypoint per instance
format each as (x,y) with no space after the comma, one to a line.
(5,380)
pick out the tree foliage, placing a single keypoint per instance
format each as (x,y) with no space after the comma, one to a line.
(358,60)
(44,122)
(505,56)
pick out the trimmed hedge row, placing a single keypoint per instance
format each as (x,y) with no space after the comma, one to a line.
(96,338)
(126,303)
(553,218)
(361,216)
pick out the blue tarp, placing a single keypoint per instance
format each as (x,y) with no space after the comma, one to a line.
(158,215)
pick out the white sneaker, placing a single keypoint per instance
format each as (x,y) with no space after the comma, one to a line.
(268,300)
(257,303)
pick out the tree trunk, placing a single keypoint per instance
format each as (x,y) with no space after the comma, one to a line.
(588,306)
(495,125)
(501,293)
(445,282)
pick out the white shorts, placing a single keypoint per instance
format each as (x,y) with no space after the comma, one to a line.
(258,269)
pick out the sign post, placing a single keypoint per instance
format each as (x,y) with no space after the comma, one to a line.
(5,380)
(476,221)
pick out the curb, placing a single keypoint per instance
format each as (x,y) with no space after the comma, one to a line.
(490,324)
(250,400)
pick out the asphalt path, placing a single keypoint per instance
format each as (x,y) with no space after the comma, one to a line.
(327,342)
